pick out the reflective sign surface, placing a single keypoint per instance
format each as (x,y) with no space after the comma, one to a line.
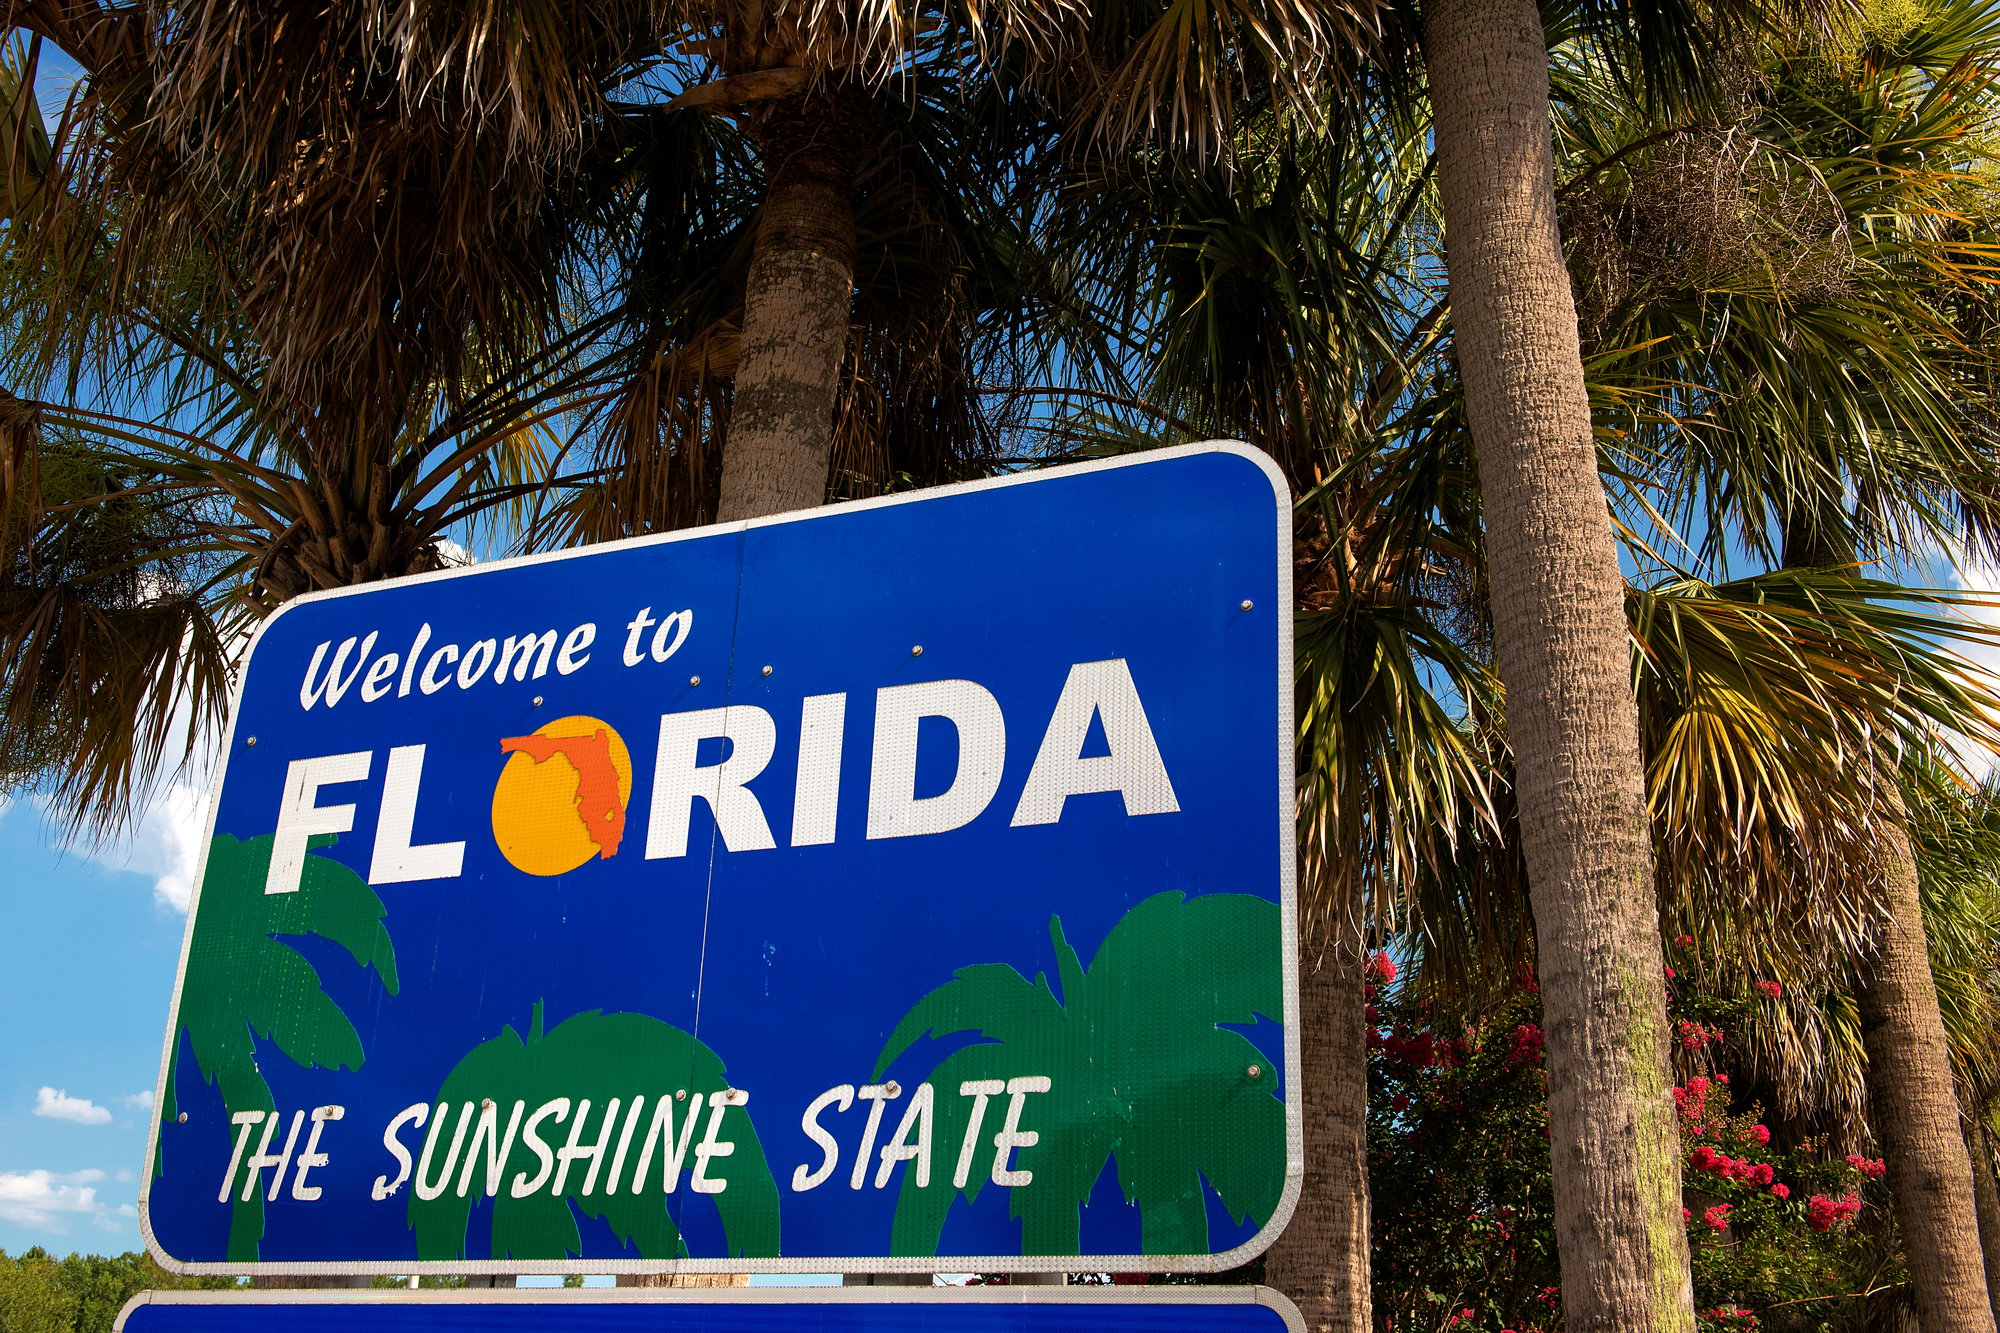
(899,885)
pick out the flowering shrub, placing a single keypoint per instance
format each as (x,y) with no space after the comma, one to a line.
(1464,1231)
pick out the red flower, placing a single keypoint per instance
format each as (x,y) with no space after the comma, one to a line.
(1760,1174)
(1400,1102)
(1759,1134)
(1670,974)
(1382,966)
(1683,941)
(1526,1046)
(1824,1214)
(1782,1191)
(1870,1167)
(1771,989)
(1717,1217)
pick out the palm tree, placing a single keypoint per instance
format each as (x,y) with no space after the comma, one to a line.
(434,120)
(593,1059)
(1134,1073)
(1839,353)
(1559,645)
(253,986)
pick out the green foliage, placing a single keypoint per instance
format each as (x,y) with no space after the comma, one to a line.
(83,1293)
(603,1061)
(1140,1069)
(246,983)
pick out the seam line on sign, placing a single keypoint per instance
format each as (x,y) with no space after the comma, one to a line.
(715,804)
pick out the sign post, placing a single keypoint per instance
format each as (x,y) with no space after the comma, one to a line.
(899,886)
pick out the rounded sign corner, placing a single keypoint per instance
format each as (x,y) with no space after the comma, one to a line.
(1281,486)
(151,1239)
(133,1302)
(1273,1299)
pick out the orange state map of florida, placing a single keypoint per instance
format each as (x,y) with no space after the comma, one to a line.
(560,799)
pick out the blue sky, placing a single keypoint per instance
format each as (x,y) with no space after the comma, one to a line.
(92,941)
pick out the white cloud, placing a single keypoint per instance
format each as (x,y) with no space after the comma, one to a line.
(170,837)
(454,556)
(54,1104)
(47,1198)
(138,1101)
(165,843)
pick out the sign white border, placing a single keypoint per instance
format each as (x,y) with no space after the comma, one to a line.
(555,1298)
(951,1263)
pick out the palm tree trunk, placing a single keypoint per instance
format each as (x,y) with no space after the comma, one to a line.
(1912,1100)
(1561,647)
(796,305)
(1321,1259)
(1914,1109)
(1986,1202)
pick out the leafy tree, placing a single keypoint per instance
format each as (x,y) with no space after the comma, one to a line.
(32,1299)
(1138,1073)
(84,1292)
(600,1060)
(250,986)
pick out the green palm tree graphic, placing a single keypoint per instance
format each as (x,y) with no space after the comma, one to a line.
(1140,1070)
(243,982)
(601,1063)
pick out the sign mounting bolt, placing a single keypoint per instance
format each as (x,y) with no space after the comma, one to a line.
(767,671)
(181,1119)
(251,741)
(538,701)
(694,680)
(917,651)
(1255,1070)
(1247,604)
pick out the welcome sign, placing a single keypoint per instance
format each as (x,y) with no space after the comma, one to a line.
(903,885)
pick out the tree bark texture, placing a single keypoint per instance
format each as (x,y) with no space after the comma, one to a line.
(1915,1110)
(1561,647)
(1321,1259)
(1986,1201)
(797,305)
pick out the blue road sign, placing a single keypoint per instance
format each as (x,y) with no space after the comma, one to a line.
(765,1310)
(902,885)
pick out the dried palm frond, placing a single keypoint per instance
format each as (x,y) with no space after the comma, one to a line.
(1767,706)
(1802,1051)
